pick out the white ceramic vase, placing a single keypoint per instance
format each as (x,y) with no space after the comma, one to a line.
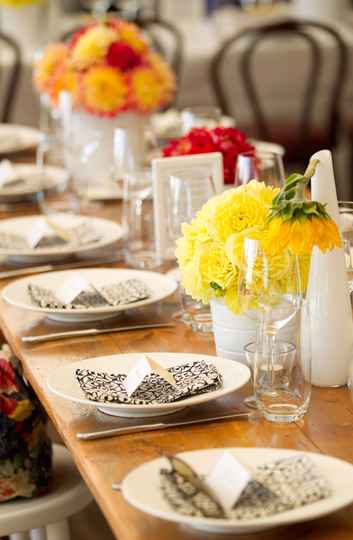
(29,25)
(330,307)
(96,147)
(232,332)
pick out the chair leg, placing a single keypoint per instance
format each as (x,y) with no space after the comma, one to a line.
(38,534)
(19,536)
(59,530)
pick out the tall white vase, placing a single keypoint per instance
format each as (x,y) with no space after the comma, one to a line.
(330,308)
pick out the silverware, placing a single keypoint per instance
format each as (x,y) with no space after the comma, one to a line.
(91,332)
(89,436)
(50,267)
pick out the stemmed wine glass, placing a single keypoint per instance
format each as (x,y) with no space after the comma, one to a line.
(269,293)
(264,167)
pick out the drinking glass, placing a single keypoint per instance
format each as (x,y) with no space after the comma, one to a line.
(138,220)
(346,226)
(265,167)
(54,199)
(269,293)
(201,116)
(188,191)
(282,375)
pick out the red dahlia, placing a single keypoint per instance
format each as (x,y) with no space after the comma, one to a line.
(120,55)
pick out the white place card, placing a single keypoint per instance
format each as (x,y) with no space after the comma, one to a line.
(145,367)
(34,235)
(227,480)
(71,288)
(7,172)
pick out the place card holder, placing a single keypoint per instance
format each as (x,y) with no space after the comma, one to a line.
(162,170)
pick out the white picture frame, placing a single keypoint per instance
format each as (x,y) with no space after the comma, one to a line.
(162,169)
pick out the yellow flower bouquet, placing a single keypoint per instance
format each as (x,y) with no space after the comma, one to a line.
(210,249)
(108,68)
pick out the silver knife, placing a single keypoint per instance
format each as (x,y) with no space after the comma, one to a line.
(91,435)
(50,267)
(91,332)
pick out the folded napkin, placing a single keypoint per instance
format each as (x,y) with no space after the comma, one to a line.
(190,379)
(115,294)
(8,175)
(275,487)
(80,235)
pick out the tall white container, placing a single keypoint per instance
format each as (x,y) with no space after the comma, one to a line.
(330,308)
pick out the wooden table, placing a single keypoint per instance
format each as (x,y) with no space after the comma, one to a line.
(327,428)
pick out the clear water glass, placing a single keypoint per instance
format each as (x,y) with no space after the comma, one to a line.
(265,167)
(346,226)
(138,220)
(188,191)
(282,375)
(200,116)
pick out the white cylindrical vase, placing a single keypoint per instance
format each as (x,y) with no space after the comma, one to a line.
(330,307)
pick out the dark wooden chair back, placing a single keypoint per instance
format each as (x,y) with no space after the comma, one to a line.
(10,92)
(250,39)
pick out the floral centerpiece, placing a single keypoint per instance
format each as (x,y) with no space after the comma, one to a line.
(210,248)
(109,68)
(229,141)
(115,80)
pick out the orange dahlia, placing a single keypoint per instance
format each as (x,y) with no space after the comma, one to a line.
(47,66)
(66,80)
(148,92)
(130,34)
(104,91)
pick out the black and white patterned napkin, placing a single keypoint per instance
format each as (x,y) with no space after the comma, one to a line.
(190,379)
(115,294)
(80,235)
(275,487)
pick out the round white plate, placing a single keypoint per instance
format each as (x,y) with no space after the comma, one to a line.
(17,295)
(14,138)
(141,488)
(54,178)
(64,383)
(108,231)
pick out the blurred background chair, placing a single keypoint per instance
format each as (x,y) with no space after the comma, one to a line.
(316,123)
(11,65)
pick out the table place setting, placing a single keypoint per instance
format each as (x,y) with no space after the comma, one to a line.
(22,181)
(239,490)
(90,294)
(162,383)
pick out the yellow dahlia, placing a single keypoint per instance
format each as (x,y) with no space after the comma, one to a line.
(47,66)
(104,90)
(148,92)
(91,48)
(67,80)
(130,34)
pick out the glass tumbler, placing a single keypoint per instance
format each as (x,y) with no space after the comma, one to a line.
(265,167)
(137,220)
(282,378)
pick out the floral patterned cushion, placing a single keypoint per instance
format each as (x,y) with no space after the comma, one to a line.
(25,449)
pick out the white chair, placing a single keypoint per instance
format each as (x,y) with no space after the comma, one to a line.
(45,518)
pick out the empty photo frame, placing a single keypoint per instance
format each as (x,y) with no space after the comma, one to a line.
(209,165)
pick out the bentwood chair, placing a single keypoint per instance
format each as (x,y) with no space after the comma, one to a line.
(300,138)
(11,79)
(163,35)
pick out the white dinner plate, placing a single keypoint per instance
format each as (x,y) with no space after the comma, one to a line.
(108,232)
(141,488)
(16,293)
(36,179)
(15,138)
(64,383)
